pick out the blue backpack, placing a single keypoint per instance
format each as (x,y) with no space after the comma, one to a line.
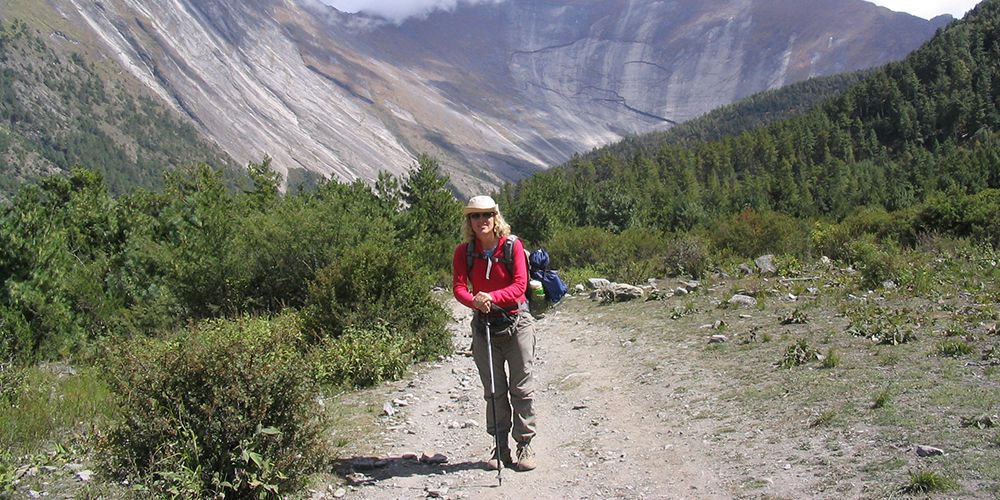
(538,265)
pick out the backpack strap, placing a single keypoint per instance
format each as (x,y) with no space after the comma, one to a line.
(470,256)
(507,259)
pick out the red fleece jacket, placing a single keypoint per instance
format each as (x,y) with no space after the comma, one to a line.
(507,291)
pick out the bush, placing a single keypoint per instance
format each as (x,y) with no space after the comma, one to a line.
(751,233)
(687,254)
(226,408)
(877,263)
(368,286)
(362,357)
(581,247)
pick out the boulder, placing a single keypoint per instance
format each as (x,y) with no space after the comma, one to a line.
(766,265)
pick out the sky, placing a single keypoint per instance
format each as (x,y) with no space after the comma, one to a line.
(398,10)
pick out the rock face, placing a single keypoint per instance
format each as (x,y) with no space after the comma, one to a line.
(495,90)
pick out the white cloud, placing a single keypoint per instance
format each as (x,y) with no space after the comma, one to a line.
(929,8)
(399,10)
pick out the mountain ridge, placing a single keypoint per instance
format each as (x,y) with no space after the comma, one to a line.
(496,91)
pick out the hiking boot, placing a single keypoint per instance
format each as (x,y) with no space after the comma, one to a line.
(492,463)
(525,457)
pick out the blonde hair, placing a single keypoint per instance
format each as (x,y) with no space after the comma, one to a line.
(500,227)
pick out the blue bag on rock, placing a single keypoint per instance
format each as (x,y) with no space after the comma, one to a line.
(538,263)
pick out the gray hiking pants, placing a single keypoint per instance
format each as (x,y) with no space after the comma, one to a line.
(513,349)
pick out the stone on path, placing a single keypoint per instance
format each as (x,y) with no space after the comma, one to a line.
(743,300)
(928,451)
(436,458)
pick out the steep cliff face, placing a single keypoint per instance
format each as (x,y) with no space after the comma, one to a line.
(495,90)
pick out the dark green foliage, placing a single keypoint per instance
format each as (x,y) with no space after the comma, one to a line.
(361,357)
(433,218)
(226,408)
(369,286)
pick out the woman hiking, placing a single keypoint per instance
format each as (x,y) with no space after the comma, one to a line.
(497,296)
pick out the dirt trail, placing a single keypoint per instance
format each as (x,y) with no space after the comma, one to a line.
(618,417)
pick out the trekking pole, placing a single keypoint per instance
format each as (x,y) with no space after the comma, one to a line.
(493,401)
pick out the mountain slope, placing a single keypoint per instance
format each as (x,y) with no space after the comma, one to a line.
(909,131)
(495,90)
(58,111)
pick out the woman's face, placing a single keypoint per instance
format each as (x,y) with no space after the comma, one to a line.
(482,223)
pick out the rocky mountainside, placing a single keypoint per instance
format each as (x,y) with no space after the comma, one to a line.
(494,90)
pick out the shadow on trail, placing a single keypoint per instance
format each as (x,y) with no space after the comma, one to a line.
(368,470)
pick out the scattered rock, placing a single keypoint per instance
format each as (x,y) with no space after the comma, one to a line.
(388,409)
(436,458)
(889,285)
(579,288)
(598,283)
(410,456)
(579,406)
(400,402)
(745,269)
(743,300)
(717,339)
(470,423)
(928,451)
(340,493)
(436,492)
(84,475)
(681,291)
(825,260)
(621,292)
(719,324)
(766,265)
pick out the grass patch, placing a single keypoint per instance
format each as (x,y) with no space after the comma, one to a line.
(954,348)
(51,407)
(927,482)
(882,400)
(824,419)
(831,360)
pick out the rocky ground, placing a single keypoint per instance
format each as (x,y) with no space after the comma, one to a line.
(685,397)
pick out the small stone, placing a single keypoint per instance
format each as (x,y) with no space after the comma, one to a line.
(743,300)
(470,423)
(928,451)
(400,402)
(34,494)
(579,406)
(388,409)
(410,455)
(435,458)
(453,424)
(680,291)
(579,288)
(438,492)
(792,297)
(717,339)
(340,493)
(84,475)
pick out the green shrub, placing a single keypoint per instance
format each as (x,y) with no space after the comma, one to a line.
(954,348)
(362,357)
(882,399)
(752,233)
(797,354)
(370,285)
(881,326)
(877,263)
(687,254)
(927,482)
(226,408)
(832,359)
(581,247)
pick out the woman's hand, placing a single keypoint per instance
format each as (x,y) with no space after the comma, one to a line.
(483,301)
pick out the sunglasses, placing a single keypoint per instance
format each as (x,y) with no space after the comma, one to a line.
(481,215)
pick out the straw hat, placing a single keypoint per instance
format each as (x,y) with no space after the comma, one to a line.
(478,204)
